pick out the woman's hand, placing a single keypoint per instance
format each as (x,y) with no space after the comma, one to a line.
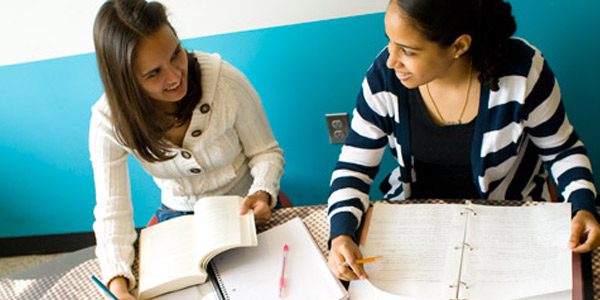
(259,204)
(120,288)
(344,249)
(585,232)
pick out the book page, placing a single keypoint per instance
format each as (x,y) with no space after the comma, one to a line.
(564,295)
(253,273)
(518,252)
(363,290)
(167,257)
(418,246)
(174,253)
(221,226)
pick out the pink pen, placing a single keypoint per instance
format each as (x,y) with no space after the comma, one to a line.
(282,277)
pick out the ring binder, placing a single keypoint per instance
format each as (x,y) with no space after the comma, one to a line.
(492,254)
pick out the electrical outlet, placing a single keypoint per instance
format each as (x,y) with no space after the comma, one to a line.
(338,126)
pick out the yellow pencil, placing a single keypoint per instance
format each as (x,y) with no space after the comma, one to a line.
(362,261)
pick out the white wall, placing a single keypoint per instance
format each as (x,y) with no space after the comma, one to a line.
(41,29)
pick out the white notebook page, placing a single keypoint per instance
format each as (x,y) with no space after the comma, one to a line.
(526,250)
(253,273)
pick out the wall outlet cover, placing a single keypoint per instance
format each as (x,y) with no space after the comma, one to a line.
(338,127)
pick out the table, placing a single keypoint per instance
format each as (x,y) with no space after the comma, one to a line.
(75,283)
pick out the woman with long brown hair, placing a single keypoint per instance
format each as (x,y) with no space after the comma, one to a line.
(193,121)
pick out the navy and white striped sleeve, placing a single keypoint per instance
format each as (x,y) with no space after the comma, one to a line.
(360,157)
(559,145)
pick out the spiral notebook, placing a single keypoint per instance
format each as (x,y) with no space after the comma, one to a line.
(253,273)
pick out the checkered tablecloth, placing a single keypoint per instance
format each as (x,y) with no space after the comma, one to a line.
(76,284)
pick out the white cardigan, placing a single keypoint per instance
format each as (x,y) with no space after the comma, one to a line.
(223,145)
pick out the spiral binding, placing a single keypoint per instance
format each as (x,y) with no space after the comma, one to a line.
(222,291)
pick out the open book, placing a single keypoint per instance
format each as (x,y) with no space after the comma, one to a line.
(175,253)
(454,251)
(254,273)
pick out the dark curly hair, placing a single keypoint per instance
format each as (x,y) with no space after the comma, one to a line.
(489,22)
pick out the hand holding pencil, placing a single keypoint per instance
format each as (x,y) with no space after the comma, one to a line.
(361,261)
(344,259)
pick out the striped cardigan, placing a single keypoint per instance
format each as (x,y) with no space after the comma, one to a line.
(521,131)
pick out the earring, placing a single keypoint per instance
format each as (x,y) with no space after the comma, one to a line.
(457,56)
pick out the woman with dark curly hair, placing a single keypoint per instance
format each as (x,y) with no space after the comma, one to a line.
(468,111)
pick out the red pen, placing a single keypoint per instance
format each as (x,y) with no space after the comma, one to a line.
(282,277)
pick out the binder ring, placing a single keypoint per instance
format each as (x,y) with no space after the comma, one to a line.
(453,286)
(471,248)
(468,246)
(469,209)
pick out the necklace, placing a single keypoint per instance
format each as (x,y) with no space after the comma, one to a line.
(437,110)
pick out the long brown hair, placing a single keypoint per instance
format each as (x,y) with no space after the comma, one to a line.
(138,122)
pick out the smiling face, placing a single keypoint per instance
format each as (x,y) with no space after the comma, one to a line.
(415,59)
(160,66)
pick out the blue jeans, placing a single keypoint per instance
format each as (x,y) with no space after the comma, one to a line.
(164,213)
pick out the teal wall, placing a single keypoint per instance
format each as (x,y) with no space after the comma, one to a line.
(301,72)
